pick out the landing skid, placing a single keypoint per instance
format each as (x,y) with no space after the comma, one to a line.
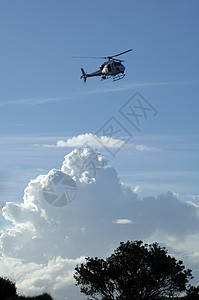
(115,77)
(118,77)
(105,77)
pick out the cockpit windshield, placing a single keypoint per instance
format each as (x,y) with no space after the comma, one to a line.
(117,63)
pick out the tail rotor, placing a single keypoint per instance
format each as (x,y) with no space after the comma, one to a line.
(83,75)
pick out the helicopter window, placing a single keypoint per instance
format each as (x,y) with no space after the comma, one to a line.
(109,67)
(117,63)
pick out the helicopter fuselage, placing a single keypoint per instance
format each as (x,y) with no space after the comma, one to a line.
(112,68)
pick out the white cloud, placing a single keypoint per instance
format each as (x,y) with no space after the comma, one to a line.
(55,226)
(145,148)
(54,277)
(192,204)
(123,221)
(88,139)
(137,189)
(194,197)
(132,85)
(32,101)
(91,140)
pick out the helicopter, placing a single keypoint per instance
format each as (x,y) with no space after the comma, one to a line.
(113,67)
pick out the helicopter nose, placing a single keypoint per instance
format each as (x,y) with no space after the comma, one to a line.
(123,69)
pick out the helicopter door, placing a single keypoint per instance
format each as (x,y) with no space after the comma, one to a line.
(109,67)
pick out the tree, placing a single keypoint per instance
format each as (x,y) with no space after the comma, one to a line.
(44,296)
(8,291)
(192,293)
(7,288)
(134,271)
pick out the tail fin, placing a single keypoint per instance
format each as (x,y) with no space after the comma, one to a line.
(83,75)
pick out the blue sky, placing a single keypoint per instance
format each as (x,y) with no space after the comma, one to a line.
(43,100)
(38,42)
(41,93)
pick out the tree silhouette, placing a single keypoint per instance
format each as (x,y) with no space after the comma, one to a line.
(134,271)
(8,291)
(7,288)
(44,296)
(192,293)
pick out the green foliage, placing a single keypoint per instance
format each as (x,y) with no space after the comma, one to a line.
(134,271)
(7,288)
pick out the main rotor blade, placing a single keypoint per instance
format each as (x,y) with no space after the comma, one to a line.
(103,57)
(122,53)
(96,57)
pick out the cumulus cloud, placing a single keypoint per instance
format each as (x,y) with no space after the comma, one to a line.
(54,277)
(82,209)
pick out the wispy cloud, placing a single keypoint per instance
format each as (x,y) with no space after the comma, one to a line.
(92,140)
(132,85)
(87,139)
(145,148)
(123,221)
(194,197)
(32,101)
